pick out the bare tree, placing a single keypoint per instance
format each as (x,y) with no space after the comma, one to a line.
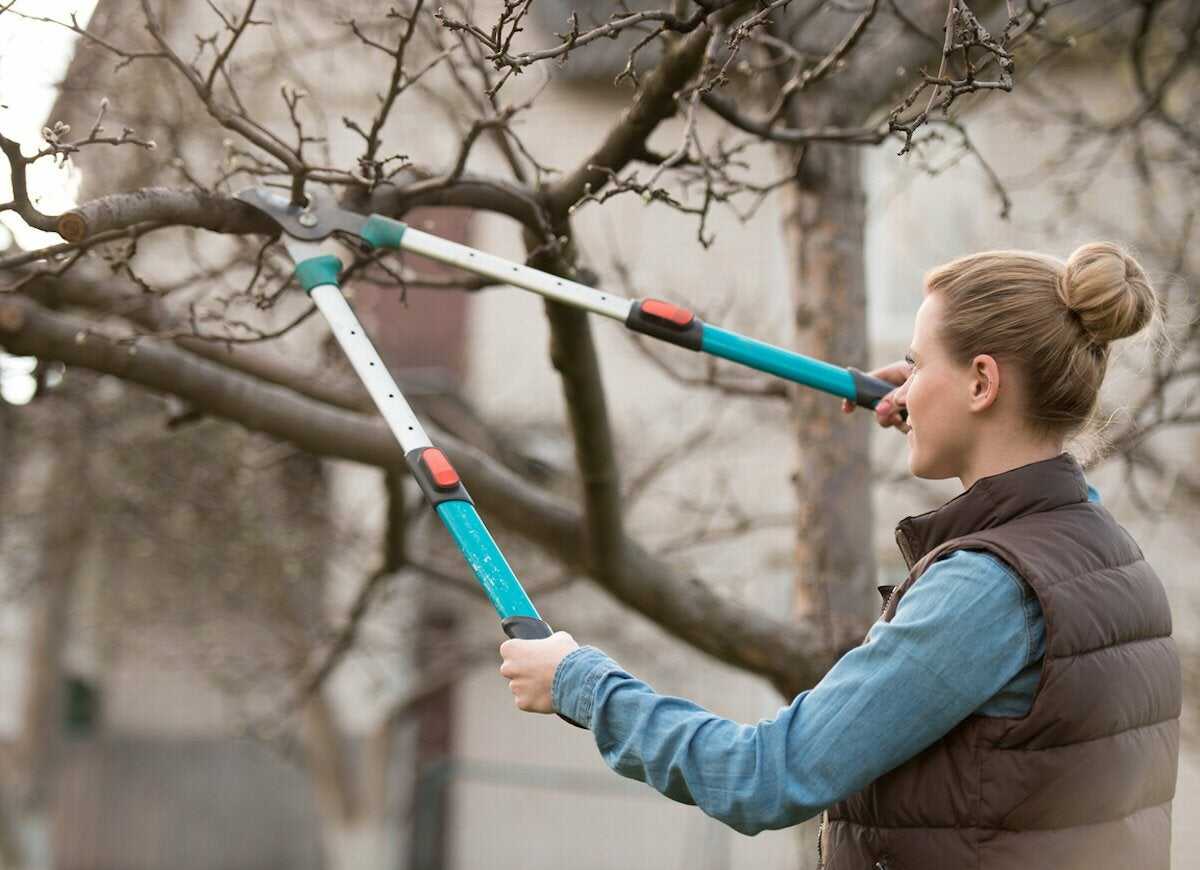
(811,83)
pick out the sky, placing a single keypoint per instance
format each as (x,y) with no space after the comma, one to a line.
(33,57)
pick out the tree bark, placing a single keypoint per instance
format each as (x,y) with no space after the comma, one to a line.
(835,557)
(429,846)
(12,857)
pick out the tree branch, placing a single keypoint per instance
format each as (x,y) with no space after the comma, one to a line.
(163,205)
(655,102)
(792,657)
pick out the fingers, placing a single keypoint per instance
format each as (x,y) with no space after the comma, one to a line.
(520,696)
(887,411)
(526,697)
(887,414)
(516,683)
(520,672)
(894,373)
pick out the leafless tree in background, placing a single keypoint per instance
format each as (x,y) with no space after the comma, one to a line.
(810,82)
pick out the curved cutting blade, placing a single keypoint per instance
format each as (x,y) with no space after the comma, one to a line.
(318,220)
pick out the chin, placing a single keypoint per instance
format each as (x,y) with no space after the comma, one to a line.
(914,464)
(914,467)
(920,466)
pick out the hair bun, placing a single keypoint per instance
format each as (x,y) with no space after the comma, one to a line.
(1108,290)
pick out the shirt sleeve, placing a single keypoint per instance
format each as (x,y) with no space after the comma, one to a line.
(958,636)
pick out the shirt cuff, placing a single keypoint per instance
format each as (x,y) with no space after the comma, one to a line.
(573,689)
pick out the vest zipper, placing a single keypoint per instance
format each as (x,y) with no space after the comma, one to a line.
(820,835)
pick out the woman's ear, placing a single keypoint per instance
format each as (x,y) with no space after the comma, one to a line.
(984,382)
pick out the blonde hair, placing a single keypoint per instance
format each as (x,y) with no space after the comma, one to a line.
(1055,320)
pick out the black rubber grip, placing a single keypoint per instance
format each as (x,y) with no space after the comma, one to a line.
(528,628)
(868,390)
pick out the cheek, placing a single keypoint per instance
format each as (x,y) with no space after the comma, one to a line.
(918,390)
(937,415)
(927,402)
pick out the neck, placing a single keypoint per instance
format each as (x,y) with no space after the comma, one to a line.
(1005,455)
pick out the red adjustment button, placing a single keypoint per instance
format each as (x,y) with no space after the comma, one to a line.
(440,470)
(666,311)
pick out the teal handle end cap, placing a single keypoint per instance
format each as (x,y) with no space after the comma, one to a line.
(316,271)
(381,232)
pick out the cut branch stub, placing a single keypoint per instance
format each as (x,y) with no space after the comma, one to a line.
(12,318)
(72,226)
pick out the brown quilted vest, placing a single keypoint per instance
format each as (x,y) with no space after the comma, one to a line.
(1085,780)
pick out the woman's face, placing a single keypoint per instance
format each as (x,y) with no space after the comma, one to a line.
(937,395)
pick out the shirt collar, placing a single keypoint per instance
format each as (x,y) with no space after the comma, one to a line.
(993,500)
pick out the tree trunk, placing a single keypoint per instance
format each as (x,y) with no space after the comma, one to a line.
(835,582)
(431,825)
(824,226)
(64,517)
(12,857)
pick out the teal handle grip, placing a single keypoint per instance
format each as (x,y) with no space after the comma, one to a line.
(849,383)
(382,232)
(486,561)
(777,361)
(517,614)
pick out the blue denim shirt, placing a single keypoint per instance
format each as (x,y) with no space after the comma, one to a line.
(969,638)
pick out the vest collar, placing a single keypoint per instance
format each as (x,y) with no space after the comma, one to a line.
(992,501)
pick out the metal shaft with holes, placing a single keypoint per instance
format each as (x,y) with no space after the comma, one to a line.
(653,317)
(322,216)
(318,274)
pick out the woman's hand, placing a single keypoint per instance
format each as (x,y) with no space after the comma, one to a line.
(529,667)
(887,414)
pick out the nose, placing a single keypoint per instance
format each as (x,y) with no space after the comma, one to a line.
(900,400)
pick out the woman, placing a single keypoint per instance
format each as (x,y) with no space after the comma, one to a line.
(1017,703)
